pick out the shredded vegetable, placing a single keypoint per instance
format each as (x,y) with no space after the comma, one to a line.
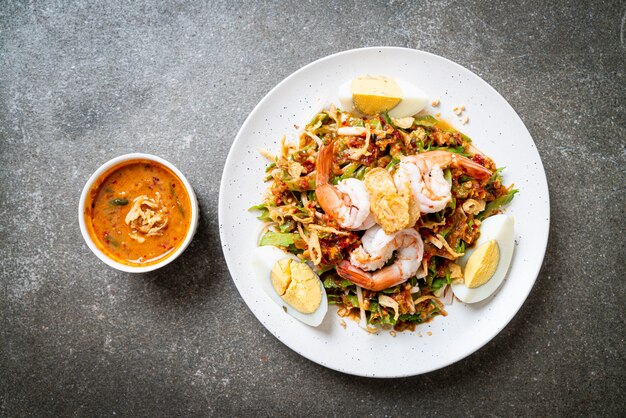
(297,222)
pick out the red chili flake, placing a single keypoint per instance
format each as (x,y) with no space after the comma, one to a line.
(309,166)
(479,159)
(355,142)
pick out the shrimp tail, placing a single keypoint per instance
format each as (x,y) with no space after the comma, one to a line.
(471,167)
(445,158)
(329,198)
(383,279)
(324,164)
(354,274)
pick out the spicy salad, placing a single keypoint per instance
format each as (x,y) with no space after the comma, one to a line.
(381,209)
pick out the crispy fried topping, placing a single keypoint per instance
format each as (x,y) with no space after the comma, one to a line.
(146,216)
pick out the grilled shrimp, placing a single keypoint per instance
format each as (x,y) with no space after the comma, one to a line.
(348,202)
(376,249)
(424,174)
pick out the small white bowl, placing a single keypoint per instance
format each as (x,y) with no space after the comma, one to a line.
(193,225)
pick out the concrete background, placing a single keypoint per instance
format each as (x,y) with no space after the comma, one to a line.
(82,82)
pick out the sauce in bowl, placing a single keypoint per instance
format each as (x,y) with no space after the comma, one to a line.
(138,212)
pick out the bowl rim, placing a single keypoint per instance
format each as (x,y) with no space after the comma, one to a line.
(118,161)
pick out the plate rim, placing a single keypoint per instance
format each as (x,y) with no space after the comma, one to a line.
(221,210)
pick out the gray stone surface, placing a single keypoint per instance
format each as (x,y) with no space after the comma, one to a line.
(82,82)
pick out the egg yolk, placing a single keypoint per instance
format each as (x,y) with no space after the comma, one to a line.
(482,264)
(375,94)
(297,285)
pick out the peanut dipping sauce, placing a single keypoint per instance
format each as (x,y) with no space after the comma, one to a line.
(138,212)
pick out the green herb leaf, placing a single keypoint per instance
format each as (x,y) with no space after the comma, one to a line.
(302,184)
(118,201)
(388,119)
(317,121)
(348,172)
(428,121)
(288,226)
(437,283)
(394,162)
(175,196)
(278,239)
(413,318)
(112,241)
(337,283)
(376,125)
(391,290)
(452,204)
(466,138)
(269,167)
(361,172)
(334,299)
(264,216)
(496,204)
(496,174)
(447,175)
(386,319)
(456,150)
(374,306)
(420,317)
(352,300)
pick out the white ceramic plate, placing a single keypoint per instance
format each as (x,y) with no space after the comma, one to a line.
(495,128)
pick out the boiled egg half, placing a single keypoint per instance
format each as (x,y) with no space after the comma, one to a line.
(371,95)
(291,284)
(486,265)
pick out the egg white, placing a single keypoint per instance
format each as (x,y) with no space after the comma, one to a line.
(263,260)
(500,228)
(413,99)
(344,96)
